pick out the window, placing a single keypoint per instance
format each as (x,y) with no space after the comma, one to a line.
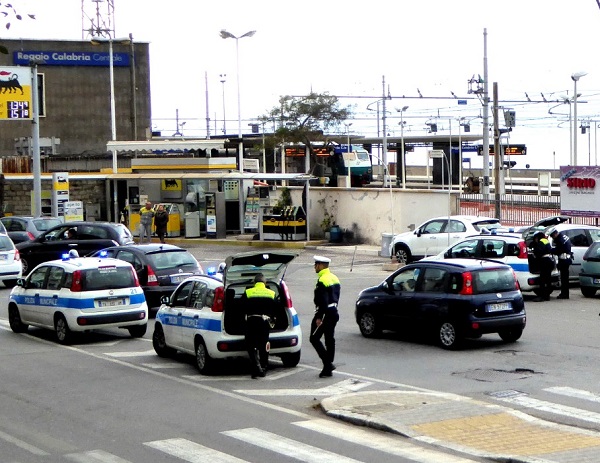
(465,249)
(55,276)
(454,226)
(37,278)
(6,243)
(492,248)
(578,237)
(16,225)
(107,277)
(433,280)
(130,257)
(493,281)
(406,281)
(199,295)
(435,226)
(180,297)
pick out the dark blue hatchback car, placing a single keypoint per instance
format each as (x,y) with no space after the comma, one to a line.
(457,299)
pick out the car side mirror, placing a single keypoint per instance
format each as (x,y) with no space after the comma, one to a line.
(418,232)
(165,300)
(22,282)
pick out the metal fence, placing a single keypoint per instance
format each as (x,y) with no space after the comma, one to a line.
(516,209)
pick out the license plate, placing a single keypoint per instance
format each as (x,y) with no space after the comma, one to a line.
(3,256)
(498,307)
(178,278)
(112,302)
(597,281)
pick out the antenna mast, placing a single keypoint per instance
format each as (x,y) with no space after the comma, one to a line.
(97,18)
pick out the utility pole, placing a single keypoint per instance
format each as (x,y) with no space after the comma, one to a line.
(486,134)
(497,162)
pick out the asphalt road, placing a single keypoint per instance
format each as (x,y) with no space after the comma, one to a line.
(110,398)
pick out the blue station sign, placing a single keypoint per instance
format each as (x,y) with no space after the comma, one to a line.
(70,58)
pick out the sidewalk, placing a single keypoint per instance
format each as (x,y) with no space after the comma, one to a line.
(469,426)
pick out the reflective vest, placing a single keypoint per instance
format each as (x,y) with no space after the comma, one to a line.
(260,290)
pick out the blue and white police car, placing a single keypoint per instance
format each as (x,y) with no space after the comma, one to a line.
(204,315)
(79,294)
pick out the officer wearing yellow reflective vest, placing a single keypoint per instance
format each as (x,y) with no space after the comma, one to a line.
(259,306)
(327,295)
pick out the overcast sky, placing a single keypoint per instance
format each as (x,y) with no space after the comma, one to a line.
(346,47)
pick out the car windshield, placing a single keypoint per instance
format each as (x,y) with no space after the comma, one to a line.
(42,225)
(488,225)
(171,259)
(496,280)
(107,277)
(6,243)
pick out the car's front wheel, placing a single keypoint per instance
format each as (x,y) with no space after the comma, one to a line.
(587,291)
(203,359)
(511,335)
(160,343)
(14,320)
(63,332)
(448,335)
(290,360)
(137,331)
(369,325)
(402,253)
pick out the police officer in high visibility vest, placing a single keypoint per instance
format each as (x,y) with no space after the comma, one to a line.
(259,304)
(543,254)
(562,249)
(327,295)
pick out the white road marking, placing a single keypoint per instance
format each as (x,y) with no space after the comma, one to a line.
(575,393)
(202,379)
(21,444)
(288,447)
(343,387)
(192,452)
(391,444)
(166,365)
(284,373)
(95,456)
(550,407)
(144,353)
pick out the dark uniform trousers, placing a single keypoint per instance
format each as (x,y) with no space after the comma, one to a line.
(326,329)
(257,337)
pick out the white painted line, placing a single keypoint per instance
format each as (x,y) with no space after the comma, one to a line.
(206,379)
(288,447)
(283,374)
(575,393)
(192,452)
(163,366)
(144,353)
(95,456)
(390,444)
(21,444)
(550,407)
(343,387)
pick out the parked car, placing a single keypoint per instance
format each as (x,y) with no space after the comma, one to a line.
(79,294)
(23,228)
(10,262)
(86,238)
(204,315)
(589,276)
(437,234)
(453,299)
(542,225)
(506,248)
(160,267)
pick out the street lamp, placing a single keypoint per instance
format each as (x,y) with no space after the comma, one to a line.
(222,76)
(401,111)
(228,35)
(348,135)
(113,116)
(575,76)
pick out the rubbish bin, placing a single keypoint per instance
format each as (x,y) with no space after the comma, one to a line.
(386,242)
(335,234)
(192,224)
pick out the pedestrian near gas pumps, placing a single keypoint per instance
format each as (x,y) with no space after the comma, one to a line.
(259,305)
(146,216)
(161,219)
(562,249)
(543,254)
(326,298)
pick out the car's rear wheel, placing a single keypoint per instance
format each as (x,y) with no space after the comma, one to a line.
(160,343)
(448,335)
(203,359)
(511,335)
(402,253)
(368,325)
(63,332)
(137,331)
(587,291)
(290,360)
(24,265)
(14,320)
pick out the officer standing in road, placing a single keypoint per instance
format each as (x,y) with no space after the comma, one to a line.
(327,295)
(259,305)
(543,254)
(562,248)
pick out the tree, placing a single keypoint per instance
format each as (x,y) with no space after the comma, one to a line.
(8,11)
(306,119)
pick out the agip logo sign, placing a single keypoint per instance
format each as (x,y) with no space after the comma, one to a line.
(15,93)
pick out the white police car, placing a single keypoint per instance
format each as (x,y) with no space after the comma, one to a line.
(204,316)
(79,294)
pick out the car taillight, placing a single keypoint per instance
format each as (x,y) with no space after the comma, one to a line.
(218,301)
(17,255)
(76,281)
(522,250)
(152,280)
(288,298)
(30,235)
(467,284)
(136,280)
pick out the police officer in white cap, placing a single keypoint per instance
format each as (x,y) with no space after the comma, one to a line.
(327,295)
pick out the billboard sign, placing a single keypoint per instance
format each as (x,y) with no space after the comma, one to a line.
(15,93)
(579,191)
(69,58)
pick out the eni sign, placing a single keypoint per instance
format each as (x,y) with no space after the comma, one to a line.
(15,93)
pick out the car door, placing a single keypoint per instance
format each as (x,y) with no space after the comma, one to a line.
(192,318)
(91,238)
(428,238)
(466,249)
(50,295)
(172,315)
(397,304)
(48,246)
(35,292)
(130,256)
(430,296)
(453,232)
(580,240)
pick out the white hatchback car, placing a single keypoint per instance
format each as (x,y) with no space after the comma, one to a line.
(506,248)
(11,268)
(79,294)
(204,316)
(437,234)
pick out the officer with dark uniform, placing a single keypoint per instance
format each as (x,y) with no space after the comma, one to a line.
(327,295)
(562,249)
(543,254)
(259,305)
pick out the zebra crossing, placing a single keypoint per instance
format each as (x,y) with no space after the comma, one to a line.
(181,449)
